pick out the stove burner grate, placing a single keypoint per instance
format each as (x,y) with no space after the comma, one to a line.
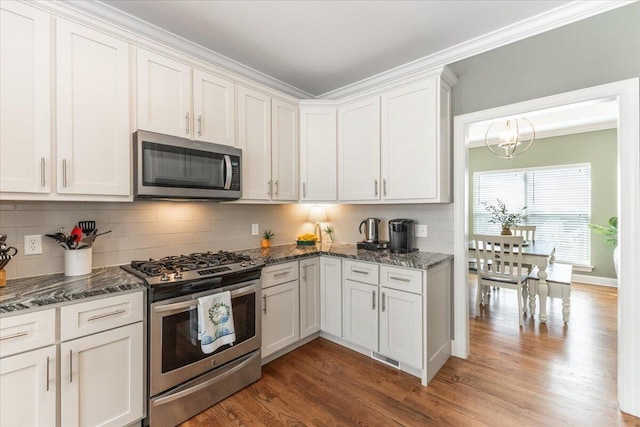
(196,261)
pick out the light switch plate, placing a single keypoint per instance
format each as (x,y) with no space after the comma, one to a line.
(421,230)
(254,229)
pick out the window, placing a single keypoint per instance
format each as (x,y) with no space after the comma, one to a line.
(557,200)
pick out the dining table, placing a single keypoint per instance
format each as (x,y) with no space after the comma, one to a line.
(538,253)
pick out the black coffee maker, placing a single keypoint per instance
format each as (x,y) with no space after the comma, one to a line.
(401,235)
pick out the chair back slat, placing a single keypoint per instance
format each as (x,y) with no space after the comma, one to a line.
(499,257)
(528,232)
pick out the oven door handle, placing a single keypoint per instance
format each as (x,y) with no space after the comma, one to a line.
(194,302)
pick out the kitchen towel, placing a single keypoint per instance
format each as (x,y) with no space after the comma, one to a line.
(215,322)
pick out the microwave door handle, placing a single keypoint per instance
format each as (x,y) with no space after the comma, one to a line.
(227,166)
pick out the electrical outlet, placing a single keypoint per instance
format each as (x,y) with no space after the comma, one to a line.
(33,244)
(421,230)
(254,229)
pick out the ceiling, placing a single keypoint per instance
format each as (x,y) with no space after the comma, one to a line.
(321,46)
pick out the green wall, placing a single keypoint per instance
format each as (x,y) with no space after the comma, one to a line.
(597,148)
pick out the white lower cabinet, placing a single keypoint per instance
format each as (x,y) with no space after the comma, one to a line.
(101,378)
(100,361)
(280,307)
(401,326)
(360,310)
(331,296)
(309,296)
(28,389)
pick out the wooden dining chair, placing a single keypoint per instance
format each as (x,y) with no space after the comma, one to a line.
(528,232)
(499,264)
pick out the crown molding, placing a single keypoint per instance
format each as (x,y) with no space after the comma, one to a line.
(538,24)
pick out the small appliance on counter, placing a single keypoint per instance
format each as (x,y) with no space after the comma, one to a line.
(401,236)
(371,241)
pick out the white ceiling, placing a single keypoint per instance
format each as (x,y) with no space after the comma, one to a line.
(321,46)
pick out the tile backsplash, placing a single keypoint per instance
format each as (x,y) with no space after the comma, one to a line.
(152,229)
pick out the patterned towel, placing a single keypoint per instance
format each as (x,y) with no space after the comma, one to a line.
(215,322)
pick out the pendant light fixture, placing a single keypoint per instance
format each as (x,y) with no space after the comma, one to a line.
(510,143)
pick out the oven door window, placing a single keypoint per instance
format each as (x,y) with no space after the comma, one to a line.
(180,344)
(169,166)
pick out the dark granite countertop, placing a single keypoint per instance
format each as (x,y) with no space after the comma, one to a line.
(34,292)
(39,291)
(291,252)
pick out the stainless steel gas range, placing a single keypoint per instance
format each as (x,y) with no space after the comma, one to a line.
(183,380)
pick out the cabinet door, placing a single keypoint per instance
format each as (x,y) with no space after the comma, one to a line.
(93,142)
(254,138)
(214,109)
(280,317)
(284,150)
(318,154)
(28,389)
(360,320)
(25,96)
(331,295)
(410,163)
(309,296)
(359,150)
(401,326)
(102,378)
(164,95)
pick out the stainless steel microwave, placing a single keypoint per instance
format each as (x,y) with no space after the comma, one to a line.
(170,167)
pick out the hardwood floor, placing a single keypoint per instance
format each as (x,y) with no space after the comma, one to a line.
(536,376)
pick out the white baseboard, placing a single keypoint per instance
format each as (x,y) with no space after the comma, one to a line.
(595,280)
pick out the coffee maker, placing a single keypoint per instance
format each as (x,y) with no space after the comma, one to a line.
(401,236)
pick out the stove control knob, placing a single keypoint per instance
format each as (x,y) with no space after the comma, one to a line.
(252,262)
(165,277)
(243,264)
(177,275)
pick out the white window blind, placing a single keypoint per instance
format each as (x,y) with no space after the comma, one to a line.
(557,200)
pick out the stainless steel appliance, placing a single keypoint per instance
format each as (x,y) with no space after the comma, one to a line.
(401,236)
(183,380)
(370,229)
(169,167)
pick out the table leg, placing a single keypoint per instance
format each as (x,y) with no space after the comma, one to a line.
(566,302)
(543,292)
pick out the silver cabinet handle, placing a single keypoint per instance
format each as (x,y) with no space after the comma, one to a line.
(269,188)
(64,173)
(284,273)
(47,373)
(373,300)
(71,365)
(360,272)
(401,279)
(384,187)
(187,121)
(304,189)
(264,304)
(383,304)
(304,272)
(276,183)
(42,170)
(200,125)
(100,316)
(16,335)
(376,187)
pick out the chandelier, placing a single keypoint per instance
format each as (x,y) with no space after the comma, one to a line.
(510,143)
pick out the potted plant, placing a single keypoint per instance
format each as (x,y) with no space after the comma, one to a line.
(267,235)
(499,215)
(610,233)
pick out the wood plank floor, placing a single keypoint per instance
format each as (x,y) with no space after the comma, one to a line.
(536,376)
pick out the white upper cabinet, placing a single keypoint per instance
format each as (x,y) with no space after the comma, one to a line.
(318,153)
(415,142)
(93,134)
(254,138)
(25,96)
(166,94)
(359,150)
(214,109)
(268,137)
(284,150)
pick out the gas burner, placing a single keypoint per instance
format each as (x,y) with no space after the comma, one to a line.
(180,267)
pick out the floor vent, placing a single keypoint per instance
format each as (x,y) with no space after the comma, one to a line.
(385,360)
